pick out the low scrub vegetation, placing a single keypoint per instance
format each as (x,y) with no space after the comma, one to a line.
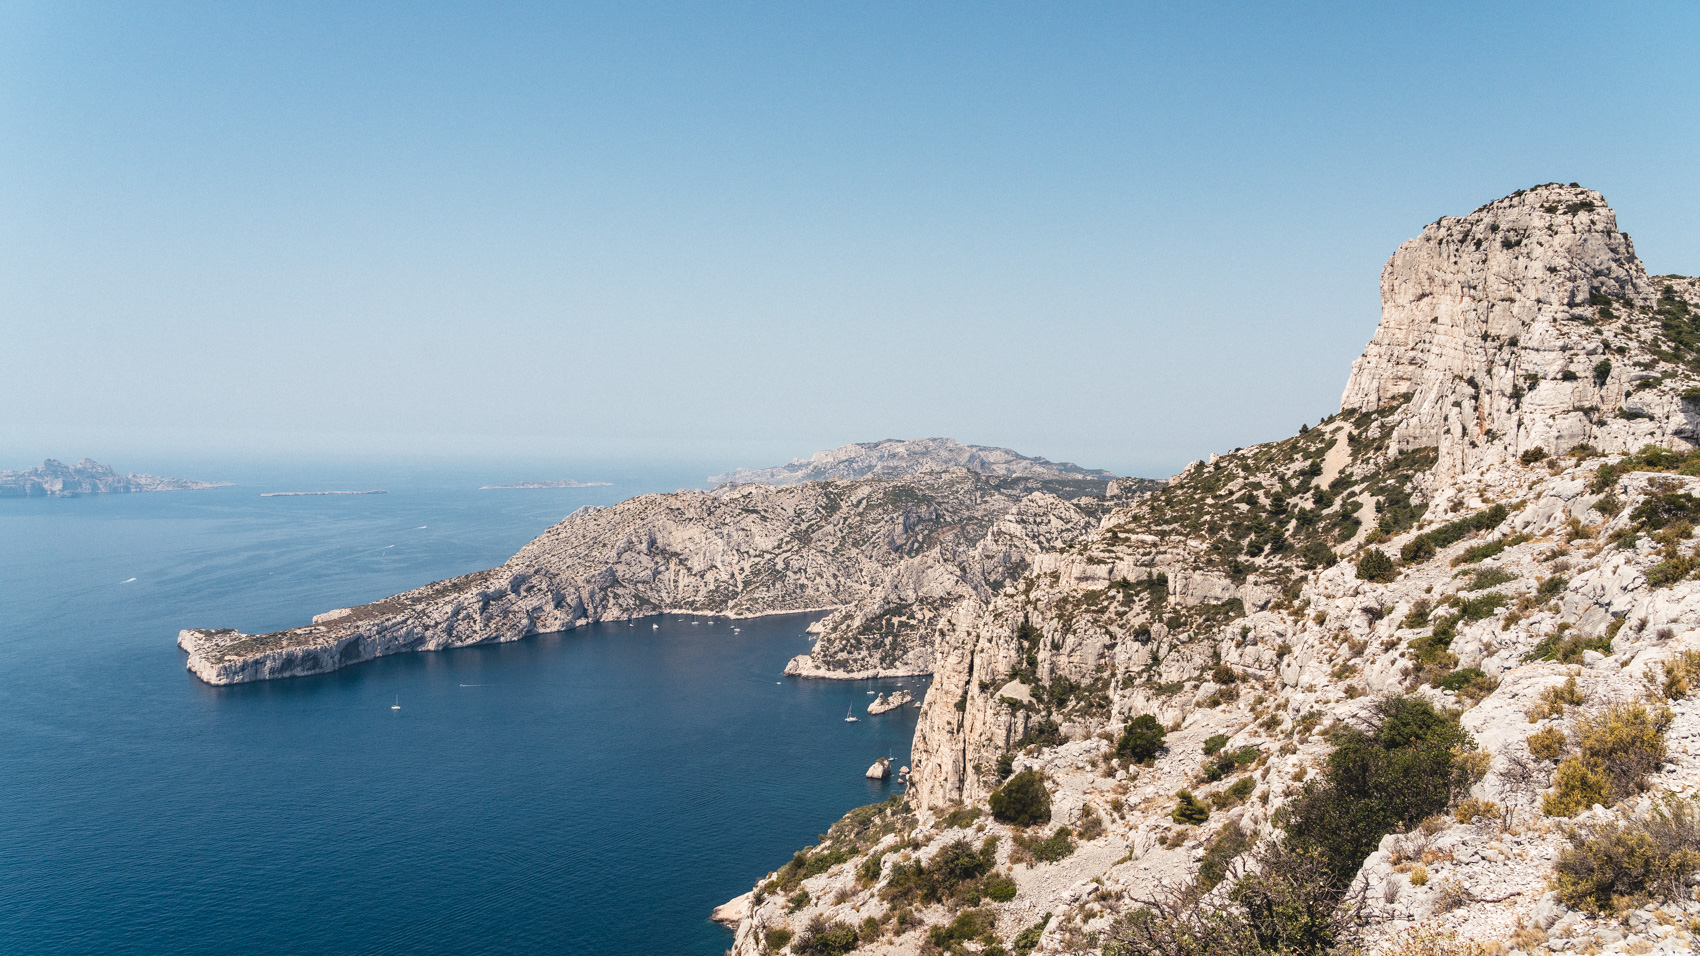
(1023,801)
(1414,763)
(956,872)
(1142,739)
(823,938)
(1616,866)
(1616,749)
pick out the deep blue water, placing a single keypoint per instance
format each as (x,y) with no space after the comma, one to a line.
(597,791)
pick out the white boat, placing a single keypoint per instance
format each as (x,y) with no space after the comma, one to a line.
(397,704)
(850,716)
(655,627)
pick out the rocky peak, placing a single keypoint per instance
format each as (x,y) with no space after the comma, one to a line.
(1513,327)
(893,458)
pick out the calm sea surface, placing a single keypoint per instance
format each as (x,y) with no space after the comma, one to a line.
(597,791)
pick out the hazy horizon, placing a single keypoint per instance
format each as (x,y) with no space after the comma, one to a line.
(1124,237)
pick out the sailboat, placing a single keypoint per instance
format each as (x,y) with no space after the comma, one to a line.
(397,704)
(850,715)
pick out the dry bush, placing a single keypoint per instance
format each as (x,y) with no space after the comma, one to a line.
(1617,749)
(1681,676)
(1554,699)
(1429,941)
(1547,744)
(1470,810)
(1619,865)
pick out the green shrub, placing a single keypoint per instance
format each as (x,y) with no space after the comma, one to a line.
(1567,648)
(1490,578)
(1045,733)
(1375,565)
(1055,847)
(969,924)
(1378,783)
(1668,572)
(1316,554)
(1234,794)
(821,938)
(1460,679)
(777,937)
(1028,939)
(806,863)
(1229,762)
(1023,800)
(1649,458)
(1226,846)
(1488,549)
(1482,606)
(959,818)
(1214,744)
(955,865)
(1189,809)
(1287,904)
(1142,740)
(1602,371)
(1418,615)
(1000,888)
(1660,511)
(1615,866)
(1006,765)
(1533,455)
(1425,545)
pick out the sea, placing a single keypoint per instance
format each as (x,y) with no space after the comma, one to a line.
(593,791)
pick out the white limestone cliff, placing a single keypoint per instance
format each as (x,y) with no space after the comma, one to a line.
(1229,606)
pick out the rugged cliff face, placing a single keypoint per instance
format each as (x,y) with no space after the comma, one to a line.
(1510,302)
(1478,526)
(881,548)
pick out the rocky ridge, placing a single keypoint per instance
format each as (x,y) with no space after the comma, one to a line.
(878,550)
(55,479)
(1479,527)
(893,457)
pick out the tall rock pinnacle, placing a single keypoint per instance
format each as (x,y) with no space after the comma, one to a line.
(1506,329)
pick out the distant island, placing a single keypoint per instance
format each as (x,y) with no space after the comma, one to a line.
(305,494)
(55,479)
(547,484)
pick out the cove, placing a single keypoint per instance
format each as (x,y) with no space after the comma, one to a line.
(595,791)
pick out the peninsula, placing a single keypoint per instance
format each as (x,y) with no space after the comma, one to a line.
(55,479)
(887,555)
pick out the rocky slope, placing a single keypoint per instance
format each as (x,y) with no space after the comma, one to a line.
(892,458)
(883,550)
(55,479)
(1477,527)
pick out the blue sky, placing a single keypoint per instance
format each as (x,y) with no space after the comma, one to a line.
(1118,234)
